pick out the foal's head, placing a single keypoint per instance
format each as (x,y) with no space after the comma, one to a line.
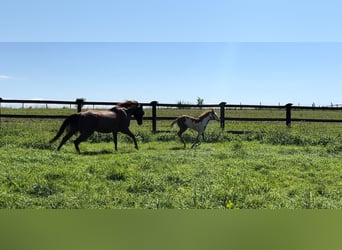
(213,115)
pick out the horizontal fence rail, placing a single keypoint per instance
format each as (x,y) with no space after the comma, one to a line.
(223,108)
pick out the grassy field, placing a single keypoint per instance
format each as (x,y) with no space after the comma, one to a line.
(250,165)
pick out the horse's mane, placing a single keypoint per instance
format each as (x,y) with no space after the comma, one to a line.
(127,104)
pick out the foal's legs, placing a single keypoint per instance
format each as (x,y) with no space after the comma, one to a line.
(84,136)
(180,132)
(198,141)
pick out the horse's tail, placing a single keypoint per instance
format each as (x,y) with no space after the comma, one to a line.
(71,121)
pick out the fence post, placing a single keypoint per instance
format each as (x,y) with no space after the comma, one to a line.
(288,114)
(222,114)
(79,103)
(154,116)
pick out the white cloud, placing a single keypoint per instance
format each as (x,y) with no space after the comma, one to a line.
(4,77)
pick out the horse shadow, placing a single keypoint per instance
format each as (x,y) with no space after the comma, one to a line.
(101,152)
(177,148)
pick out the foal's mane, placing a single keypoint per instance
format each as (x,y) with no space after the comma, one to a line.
(204,114)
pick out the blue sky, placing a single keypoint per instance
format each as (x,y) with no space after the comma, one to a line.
(235,51)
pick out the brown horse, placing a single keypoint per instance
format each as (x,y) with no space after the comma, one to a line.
(112,121)
(199,124)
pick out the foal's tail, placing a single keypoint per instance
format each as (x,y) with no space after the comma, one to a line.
(173,123)
(70,122)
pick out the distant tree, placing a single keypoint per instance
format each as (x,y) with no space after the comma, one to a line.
(180,104)
(200,101)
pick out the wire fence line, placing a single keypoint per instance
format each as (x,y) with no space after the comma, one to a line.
(223,108)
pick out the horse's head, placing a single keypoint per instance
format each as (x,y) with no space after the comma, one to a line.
(138,114)
(213,116)
(133,108)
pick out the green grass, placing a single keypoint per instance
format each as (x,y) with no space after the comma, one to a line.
(251,165)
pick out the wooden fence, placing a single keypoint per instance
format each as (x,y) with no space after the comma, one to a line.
(223,108)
